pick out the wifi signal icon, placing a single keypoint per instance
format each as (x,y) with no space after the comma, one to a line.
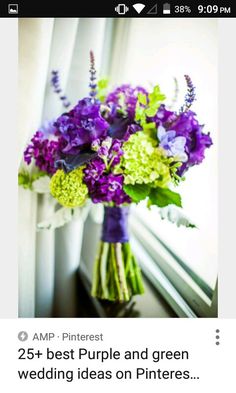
(139,7)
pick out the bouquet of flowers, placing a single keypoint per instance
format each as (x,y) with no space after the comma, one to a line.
(117,148)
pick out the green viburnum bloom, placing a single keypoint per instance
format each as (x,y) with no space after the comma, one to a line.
(144,162)
(68,188)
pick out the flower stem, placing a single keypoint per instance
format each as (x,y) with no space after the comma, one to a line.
(139,281)
(132,277)
(128,252)
(96,269)
(103,270)
(112,283)
(116,276)
(121,271)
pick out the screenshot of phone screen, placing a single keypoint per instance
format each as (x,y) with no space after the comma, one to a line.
(117,240)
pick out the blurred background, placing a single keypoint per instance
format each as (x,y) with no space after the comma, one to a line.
(179,264)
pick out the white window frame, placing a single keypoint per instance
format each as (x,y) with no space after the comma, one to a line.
(165,268)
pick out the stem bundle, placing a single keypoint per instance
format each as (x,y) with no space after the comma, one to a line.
(117,276)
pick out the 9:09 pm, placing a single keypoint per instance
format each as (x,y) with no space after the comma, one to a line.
(209,9)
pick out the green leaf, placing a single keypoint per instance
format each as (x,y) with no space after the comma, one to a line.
(26,179)
(102,86)
(148,108)
(137,192)
(140,114)
(163,197)
(156,96)
(103,83)
(150,112)
(155,99)
(142,99)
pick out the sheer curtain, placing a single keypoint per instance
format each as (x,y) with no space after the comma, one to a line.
(46,289)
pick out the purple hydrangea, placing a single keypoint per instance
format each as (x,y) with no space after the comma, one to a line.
(78,128)
(43,151)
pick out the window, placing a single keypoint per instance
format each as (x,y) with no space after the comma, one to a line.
(187,257)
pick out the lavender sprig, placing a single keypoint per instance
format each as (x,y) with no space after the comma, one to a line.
(55,82)
(93,77)
(190,97)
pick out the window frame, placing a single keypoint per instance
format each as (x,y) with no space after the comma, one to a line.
(162,258)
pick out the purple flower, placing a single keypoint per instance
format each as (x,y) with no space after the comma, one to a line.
(125,98)
(43,151)
(95,145)
(109,149)
(78,128)
(103,151)
(87,108)
(116,146)
(104,187)
(115,152)
(190,96)
(163,116)
(55,82)
(172,144)
(186,125)
(92,70)
(94,171)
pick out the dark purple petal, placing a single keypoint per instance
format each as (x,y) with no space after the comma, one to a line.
(118,128)
(71,162)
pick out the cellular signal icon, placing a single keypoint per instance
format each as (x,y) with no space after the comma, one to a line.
(138,7)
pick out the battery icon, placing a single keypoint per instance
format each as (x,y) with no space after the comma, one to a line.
(166,8)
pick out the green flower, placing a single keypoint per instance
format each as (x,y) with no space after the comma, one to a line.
(68,188)
(144,162)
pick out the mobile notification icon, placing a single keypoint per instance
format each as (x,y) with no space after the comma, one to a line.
(13,9)
(121,9)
